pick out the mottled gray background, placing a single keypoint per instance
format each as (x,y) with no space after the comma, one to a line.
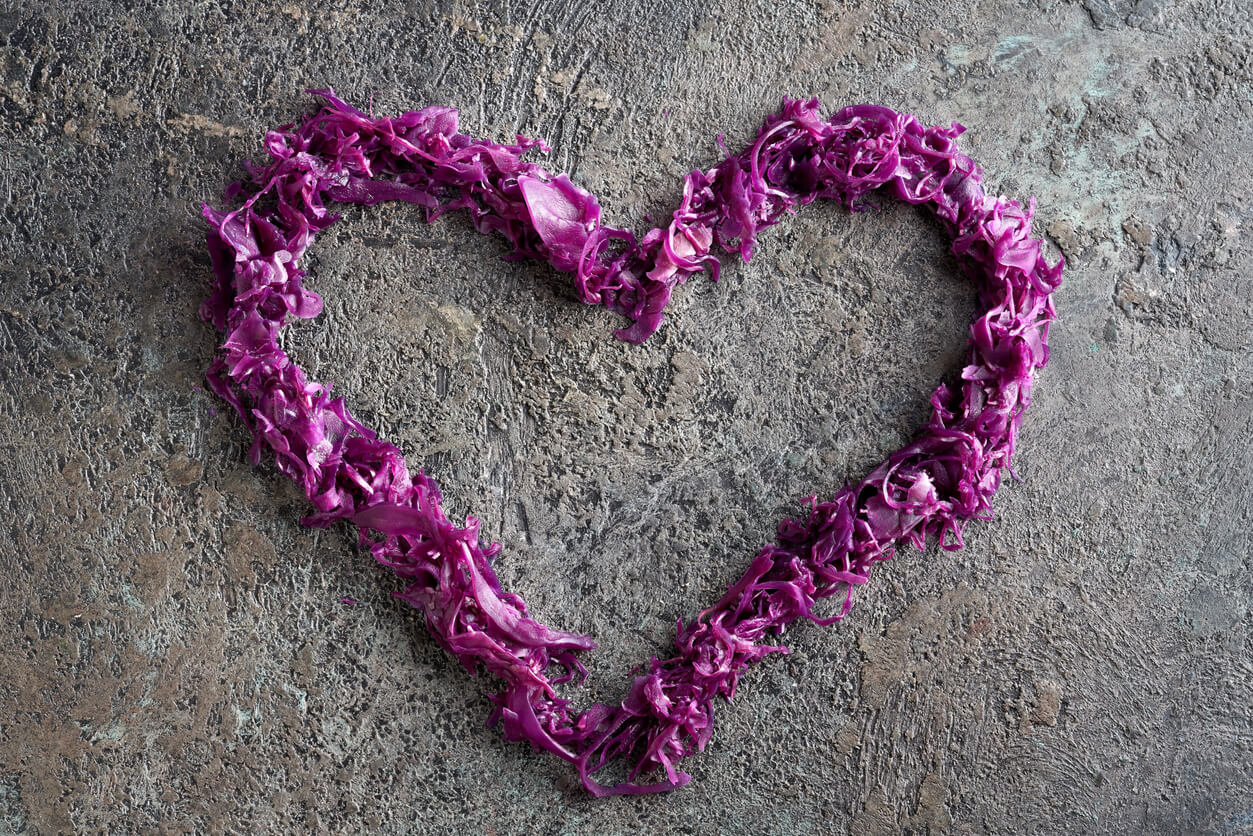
(176,653)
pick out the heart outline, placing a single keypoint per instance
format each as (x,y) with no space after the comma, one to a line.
(931,486)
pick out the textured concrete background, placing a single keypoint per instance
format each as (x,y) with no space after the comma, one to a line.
(175,650)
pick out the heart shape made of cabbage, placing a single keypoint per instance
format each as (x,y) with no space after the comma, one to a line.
(932,486)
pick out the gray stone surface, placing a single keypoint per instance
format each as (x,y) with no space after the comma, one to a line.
(176,653)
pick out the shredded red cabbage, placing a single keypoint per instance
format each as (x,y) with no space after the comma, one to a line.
(931,487)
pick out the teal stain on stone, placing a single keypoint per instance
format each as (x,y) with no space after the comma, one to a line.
(112,733)
(131,600)
(1008,50)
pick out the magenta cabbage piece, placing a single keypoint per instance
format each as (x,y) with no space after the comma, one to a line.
(929,488)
